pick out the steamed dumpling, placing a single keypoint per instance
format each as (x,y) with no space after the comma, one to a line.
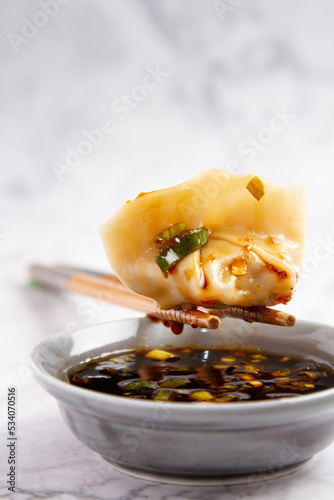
(254,249)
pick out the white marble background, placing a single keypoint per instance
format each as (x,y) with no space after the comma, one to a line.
(226,68)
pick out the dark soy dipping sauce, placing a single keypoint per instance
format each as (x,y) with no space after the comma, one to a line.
(200,375)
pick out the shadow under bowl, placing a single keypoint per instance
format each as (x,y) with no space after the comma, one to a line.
(186,443)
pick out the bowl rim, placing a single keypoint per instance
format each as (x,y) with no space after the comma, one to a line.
(50,381)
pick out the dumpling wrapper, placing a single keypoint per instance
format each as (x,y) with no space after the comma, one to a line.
(253,255)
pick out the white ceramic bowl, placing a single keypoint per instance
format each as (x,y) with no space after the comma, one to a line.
(189,443)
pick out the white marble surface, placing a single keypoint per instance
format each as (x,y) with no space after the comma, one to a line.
(223,76)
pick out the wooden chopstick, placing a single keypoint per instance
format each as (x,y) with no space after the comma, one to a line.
(109,288)
(91,284)
(259,314)
(112,290)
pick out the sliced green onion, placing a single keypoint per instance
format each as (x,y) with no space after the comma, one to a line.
(172,383)
(139,385)
(119,373)
(178,246)
(227,398)
(256,188)
(230,387)
(124,374)
(163,395)
(170,232)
